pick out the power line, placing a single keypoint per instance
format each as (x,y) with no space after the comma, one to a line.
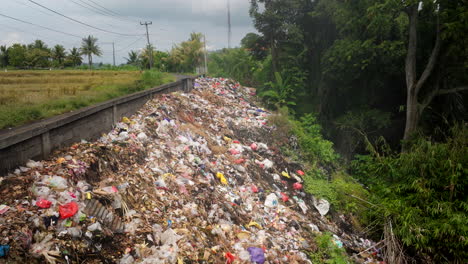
(89,7)
(32,7)
(97,10)
(77,21)
(26,22)
(108,10)
(131,44)
(37,35)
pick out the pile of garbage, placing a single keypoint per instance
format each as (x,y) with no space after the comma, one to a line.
(190,178)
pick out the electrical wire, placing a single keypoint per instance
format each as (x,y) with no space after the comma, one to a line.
(32,7)
(37,35)
(26,22)
(82,23)
(110,11)
(131,44)
(88,7)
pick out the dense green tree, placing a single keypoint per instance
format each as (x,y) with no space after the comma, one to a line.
(89,48)
(74,57)
(59,54)
(37,58)
(188,55)
(38,44)
(17,55)
(255,44)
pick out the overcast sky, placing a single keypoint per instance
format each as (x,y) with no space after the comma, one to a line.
(173,21)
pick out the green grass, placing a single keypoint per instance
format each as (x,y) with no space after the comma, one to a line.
(26,96)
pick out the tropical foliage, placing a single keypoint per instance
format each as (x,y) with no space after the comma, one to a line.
(38,55)
(89,48)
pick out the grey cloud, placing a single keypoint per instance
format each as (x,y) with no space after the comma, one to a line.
(173,21)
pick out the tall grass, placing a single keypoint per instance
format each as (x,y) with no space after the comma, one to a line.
(31,95)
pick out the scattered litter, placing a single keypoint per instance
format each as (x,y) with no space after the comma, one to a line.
(190,178)
(322,205)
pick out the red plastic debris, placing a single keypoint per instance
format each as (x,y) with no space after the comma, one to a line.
(254,188)
(297,186)
(300,172)
(234,151)
(229,257)
(284,197)
(254,146)
(68,210)
(236,141)
(239,161)
(43,203)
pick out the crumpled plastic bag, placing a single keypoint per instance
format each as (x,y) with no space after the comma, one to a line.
(68,210)
(169,237)
(271,200)
(256,255)
(323,206)
(43,203)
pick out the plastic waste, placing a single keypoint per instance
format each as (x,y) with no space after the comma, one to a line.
(322,206)
(127,259)
(256,255)
(285,174)
(284,197)
(229,257)
(56,182)
(169,237)
(43,203)
(34,164)
(142,137)
(271,200)
(95,227)
(244,255)
(4,208)
(68,210)
(337,241)
(297,186)
(74,232)
(253,146)
(301,173)
(4,249)
(221,177)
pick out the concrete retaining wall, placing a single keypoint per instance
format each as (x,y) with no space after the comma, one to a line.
(37,140)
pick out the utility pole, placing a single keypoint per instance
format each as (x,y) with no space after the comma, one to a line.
(113,52)
(206,67)
(150,49)
(229,23)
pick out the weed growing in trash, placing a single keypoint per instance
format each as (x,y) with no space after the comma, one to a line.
(323,178)
(328,251)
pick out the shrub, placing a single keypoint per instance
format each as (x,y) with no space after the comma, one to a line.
(424,193)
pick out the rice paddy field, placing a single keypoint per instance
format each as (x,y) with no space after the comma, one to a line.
(26,96)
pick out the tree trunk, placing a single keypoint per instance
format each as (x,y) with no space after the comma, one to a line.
(274,57)
(412,114)
(90,61)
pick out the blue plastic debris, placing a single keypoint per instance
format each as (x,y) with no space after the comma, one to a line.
(4,250)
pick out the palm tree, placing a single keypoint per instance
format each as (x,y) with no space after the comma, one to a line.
(75,57)
(132,58)
(145,56)
(89,48)
(59,54)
